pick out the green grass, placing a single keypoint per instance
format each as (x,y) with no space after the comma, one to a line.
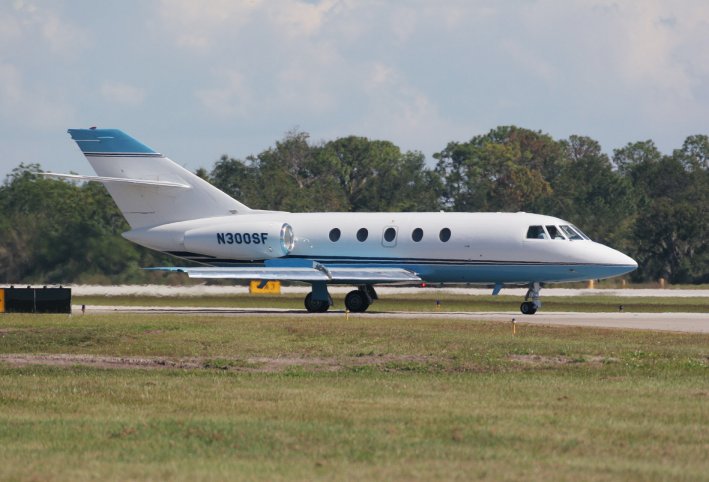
(426,301)
(383,400)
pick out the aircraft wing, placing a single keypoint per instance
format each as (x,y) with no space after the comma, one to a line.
(306,274)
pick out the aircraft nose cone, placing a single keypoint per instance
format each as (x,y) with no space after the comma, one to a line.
(633,263)
(623,262)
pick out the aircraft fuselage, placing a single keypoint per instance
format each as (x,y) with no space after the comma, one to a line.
(439,247)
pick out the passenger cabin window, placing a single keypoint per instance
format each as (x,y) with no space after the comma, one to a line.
(417,235)
(536,232)
(554,232)
(362,235)
(389,237)
(335,234)
(570,233)
(444,235)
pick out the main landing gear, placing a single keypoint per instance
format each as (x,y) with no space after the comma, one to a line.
(531,307)
(316,306)
(318,300)
(357,301)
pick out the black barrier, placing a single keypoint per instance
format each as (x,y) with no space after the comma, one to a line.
(37,300)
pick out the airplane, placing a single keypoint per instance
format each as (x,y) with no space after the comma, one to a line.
(172,210)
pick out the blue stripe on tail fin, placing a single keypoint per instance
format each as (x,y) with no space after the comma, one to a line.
(108,141)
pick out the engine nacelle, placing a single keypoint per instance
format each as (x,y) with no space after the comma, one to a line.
(242,240)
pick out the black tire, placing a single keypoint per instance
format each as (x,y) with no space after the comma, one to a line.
(528,308)
(315,306)
(356,301)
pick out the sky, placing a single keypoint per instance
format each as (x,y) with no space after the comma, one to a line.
(196,80)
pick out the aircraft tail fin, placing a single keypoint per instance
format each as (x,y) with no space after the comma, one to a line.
(149,188)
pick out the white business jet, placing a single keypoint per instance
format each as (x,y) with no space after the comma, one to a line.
(172,210)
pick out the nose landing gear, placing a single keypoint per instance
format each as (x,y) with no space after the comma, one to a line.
(531,307)
(528,308)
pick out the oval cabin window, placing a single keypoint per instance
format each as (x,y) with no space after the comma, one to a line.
(417,235)
(362,234)
(444,235)
(389,235)
(335,234)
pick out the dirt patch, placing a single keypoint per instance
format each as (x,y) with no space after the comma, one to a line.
(97,361)
(538,360)
(248,364)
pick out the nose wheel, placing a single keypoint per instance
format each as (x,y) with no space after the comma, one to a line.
(531,307)
(528,308)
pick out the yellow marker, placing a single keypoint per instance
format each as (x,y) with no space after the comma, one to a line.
(347,315)
(269,287)
(514,327)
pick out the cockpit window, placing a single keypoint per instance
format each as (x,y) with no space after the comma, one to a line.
(581,233)
(536,232)
(571,233)
(554,232)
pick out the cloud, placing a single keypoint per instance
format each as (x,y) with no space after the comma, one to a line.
(29,21)
(420,73)
(201,26)
(298,18)
(21,104)
(228,100)
(198,25)
(125,94)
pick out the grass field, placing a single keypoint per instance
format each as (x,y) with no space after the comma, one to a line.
(426,301)
(215,398)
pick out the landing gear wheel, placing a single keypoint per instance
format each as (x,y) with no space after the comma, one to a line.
(528,308)
(315,306)
(356,301)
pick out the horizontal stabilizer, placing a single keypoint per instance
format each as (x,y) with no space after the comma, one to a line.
(319,273)
(146,182)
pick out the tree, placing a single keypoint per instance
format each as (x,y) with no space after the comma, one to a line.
(508,169)
(630,158)
(670,232)
(347,174)
(291,176)
(57,232)
(591,194)
(377,176)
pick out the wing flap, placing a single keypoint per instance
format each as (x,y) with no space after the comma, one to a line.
(319,273)
(381,275)
(268,274)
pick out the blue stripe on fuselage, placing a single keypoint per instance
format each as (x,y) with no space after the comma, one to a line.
(448,271)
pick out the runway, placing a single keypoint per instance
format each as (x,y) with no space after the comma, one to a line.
(199,290)
(676,322)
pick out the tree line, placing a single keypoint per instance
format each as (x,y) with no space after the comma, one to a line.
(650,205)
